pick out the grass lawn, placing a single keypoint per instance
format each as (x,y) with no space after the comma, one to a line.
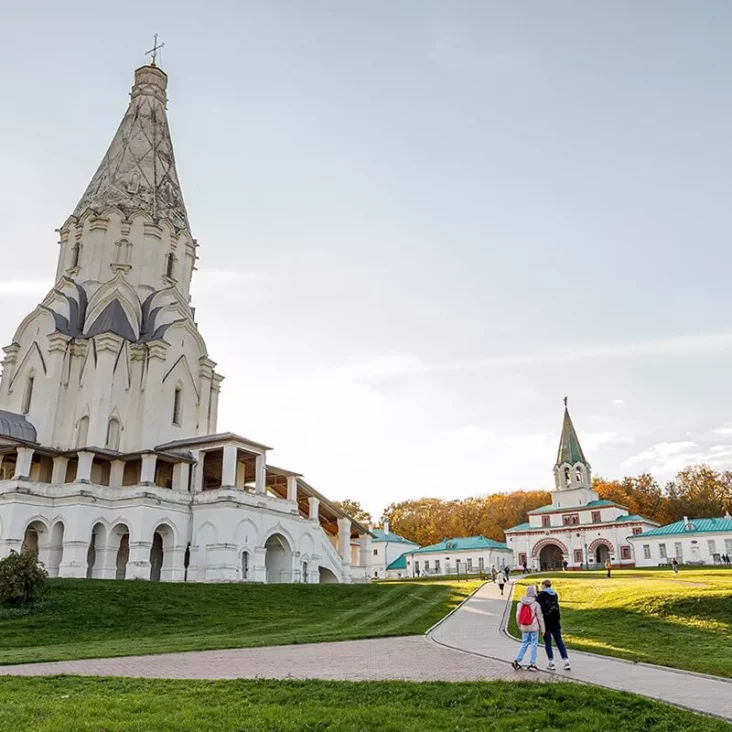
(68,704)
(683,621)
(96,618)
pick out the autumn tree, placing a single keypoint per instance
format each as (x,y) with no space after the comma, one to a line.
(355,510)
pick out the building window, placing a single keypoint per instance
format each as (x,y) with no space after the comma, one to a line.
(437,565)
(646,551)
(426,565)
(578,556)
(678,551)
(662,551)
(28,394)
(416,566)
(712,546)
(546,521)
(578,474)
(305,572)
(113,431)
(82,433)
(170,265)
(571,519)
(470,564)
(245,565)
(728,546)
(376,552)
(177,405)
(625,552)
(522,558)
(481,563)
(596,517)
(637,530)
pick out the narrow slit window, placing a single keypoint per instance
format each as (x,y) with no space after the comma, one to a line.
(76,255)
(170,265)
(176,405)
(28,395)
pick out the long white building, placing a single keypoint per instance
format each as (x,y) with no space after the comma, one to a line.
(111,464)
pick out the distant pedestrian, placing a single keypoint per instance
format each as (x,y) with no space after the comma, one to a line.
(416,571)
(501,582)
(506,573)
(549,602)
(493,573)
(526,569)
(530,622)
(565,564)
(608,567)
(675,565)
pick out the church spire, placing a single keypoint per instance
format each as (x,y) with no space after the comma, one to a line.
(571,469)
(138,172)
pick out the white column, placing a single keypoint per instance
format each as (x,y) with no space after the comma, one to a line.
(147,474)
(23,463)
(181,471)
(258,568)
(260,470)
(116,473)
(84,468)
(292,488)
(197,485)
(60,464)
(228,469)
(138,564)
(314,507)
(365,558)
(344,538)
(73,559)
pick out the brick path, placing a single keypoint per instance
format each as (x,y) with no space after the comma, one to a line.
(468,646)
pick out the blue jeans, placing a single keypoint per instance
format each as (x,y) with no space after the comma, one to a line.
(529,639)
(556,632)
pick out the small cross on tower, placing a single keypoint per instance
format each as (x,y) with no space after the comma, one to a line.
(565,402)
(154,50)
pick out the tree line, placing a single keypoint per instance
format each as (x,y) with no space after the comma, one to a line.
(698,491)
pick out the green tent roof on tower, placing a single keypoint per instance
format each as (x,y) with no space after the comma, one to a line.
(570,450)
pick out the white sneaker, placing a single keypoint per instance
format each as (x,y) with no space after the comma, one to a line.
(567,665)
(550,666)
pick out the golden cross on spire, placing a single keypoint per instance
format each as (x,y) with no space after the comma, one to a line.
(154,50)
(565,402)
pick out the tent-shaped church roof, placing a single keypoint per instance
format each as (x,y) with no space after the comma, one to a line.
(570,450)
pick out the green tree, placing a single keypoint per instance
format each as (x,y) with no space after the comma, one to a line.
(22,579)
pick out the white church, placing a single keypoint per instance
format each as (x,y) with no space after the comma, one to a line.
(578,527)
(111,465)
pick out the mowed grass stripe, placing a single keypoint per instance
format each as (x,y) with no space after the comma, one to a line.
(94,618)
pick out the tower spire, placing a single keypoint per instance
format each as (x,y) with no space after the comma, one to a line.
(138,172)
(570,450)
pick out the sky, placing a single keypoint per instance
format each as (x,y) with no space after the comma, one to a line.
(421,224)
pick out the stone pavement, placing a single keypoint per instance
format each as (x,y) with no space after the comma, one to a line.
(477,627)
(468,645)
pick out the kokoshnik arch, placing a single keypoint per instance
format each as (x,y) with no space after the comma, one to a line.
(110,460)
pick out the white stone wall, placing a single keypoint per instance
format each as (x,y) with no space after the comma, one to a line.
(384,553)
(450,560)
(694,549)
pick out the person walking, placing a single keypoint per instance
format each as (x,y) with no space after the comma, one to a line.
(675,565)
(608,567)
(501,582)
(549,602)
(530,622)
(565,564)
(493,573)
(526,569)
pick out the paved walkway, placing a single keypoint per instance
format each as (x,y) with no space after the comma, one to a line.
(477,627)
(468,646)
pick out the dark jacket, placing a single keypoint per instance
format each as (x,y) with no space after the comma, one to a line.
(549,602)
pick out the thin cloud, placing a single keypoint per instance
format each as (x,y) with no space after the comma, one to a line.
(24,288)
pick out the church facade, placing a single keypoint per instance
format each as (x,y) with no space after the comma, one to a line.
(111,464)
(577,528)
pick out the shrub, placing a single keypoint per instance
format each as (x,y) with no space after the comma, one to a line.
(22,579)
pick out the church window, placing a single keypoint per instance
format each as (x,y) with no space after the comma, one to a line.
(177,405)
(113,434)
(578,474)
(28,394)
(546,521)
(76,255)
(578,556)
(245,565)
(571,519)
(596,517)
(625,552)
(305,572)
(170,265)
(82,433)
(567,477)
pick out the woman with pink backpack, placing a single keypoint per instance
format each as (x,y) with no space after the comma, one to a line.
(530,621)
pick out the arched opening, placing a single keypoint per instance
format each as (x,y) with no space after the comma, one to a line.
(114,430)
(157,555)
(578,474)
(305,572)
(278,560)
(245,565)
(82,432)
(119,545)
(76,255)
(550,557)
(28,394)
(170,265)
(96,554)
(32,538)
(327,577)
(177,404)
(602,554)
(567,477)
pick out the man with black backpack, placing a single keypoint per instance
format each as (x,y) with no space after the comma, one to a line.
(549,602)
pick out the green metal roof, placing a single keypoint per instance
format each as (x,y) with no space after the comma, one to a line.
(635,517)
(399,563)
(695,526)
(570,450)
(520,527)
(592,504)
(464,543)
(380,535)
